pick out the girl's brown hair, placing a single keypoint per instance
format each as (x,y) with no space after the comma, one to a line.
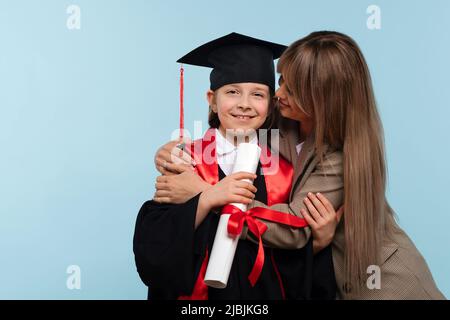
(330,81)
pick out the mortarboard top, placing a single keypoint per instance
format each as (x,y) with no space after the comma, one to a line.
(236,58)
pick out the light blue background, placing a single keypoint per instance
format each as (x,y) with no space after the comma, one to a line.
(82,113)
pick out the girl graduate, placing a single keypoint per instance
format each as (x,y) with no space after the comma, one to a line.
(172,242)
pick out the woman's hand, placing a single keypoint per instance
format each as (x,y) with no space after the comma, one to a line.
(170,159)
(322,218)
(178,188)
(231,190)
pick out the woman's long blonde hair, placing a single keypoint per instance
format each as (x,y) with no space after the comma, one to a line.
(330,81)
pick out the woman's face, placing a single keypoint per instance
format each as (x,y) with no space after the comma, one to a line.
(288,108)
(241,106)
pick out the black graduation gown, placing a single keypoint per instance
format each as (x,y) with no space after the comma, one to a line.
(169,254)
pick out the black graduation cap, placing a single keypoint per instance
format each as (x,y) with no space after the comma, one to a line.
(236,58)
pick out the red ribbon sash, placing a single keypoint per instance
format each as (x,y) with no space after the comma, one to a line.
(257,227)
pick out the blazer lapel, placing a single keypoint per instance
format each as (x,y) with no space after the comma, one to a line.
(305,156)
(304,162)
(289,138)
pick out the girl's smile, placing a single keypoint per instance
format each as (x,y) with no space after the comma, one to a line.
(243,117)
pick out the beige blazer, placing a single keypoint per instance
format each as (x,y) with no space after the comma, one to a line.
(404,272)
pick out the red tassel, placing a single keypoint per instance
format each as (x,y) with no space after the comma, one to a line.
(181,102)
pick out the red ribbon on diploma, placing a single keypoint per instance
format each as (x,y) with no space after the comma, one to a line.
(257,227)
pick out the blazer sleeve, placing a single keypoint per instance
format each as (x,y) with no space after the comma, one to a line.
(327,178)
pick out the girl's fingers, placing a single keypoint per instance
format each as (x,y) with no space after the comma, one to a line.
(312,223)
(161,199)
(161,186)
(244,193)
(318,205)
(161,179)
(246,185)
(243,175)
(312,210)
(327,204)
(240,199)
(179,167)
(162,193)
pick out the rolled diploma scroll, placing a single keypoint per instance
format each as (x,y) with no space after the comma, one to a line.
(224,246)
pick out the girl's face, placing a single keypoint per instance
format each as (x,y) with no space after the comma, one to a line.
(241,106)
(288,108)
